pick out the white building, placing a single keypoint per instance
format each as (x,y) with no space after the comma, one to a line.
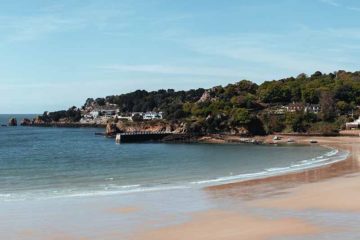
(354,124)
(148,115)
(94,114)
(152,115)
(312,108)
(108,113)
(124,117)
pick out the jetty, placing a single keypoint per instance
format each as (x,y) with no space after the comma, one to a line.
(152,137)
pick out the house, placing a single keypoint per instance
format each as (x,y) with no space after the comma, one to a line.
(148,115)
(300,107)
(152,115)
(94,114)
(278,110)
(125,117)
(312,108)
(295,107)
(354,124)
(108,113)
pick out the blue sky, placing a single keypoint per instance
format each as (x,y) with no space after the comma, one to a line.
(55,54)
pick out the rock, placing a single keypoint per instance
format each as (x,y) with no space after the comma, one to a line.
(111,129)
(25,122)
(13,122)
(38,120)
(169,128)
(240,131)
(205,97)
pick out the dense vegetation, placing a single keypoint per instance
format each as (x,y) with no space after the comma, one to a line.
(246,105)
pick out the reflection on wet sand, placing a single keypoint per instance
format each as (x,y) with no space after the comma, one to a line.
(277,185)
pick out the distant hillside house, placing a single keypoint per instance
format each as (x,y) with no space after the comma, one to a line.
(300,107)
(108,113)
(94,114)
(295,107)
(279,110)
(124,118)
(312,108)
(152,115)
(354,124)
(149,115)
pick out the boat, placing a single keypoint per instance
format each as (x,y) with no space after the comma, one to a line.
(313,141)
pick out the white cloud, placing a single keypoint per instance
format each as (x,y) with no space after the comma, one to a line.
(56,19)
(335,3)
(174,70)
(30,28)
(357,9)
(331,2)
(289,52)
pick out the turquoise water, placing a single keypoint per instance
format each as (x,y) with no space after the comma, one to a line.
(65,162)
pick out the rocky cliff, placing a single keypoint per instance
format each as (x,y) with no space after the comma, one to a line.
(12,122)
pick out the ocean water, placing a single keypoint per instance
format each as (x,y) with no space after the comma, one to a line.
(38,163)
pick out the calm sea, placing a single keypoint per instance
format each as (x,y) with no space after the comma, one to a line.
(65,162)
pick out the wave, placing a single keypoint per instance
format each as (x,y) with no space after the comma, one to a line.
(334,155)
(127,189)
(330,157)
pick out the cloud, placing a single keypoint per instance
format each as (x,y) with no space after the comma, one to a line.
(269,54)
(357,9)
(30,28)
(57,18)
(260,54)
(335,3)
(331,2)
(174,70)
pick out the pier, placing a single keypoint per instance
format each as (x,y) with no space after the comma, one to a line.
(141,136)
(153,137)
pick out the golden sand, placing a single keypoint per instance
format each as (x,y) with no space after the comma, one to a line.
(334,187)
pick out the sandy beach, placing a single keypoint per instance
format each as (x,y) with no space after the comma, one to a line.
(320,203)
(330,190)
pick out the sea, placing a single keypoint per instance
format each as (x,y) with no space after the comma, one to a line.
(43,163)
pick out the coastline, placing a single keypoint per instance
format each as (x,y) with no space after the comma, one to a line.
(282,206)
(331,189)
(311,174)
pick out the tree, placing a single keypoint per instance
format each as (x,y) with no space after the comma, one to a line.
(343,107)
(327,105)
(296,122)
(240,116)
(137,118)
(100,101)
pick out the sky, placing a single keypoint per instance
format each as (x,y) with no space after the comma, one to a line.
(55,54)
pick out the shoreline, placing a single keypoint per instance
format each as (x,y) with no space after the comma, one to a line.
(294,200)
(306,175)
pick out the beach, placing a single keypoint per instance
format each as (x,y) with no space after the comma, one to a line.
(319,203)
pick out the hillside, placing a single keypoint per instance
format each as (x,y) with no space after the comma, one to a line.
(318,103)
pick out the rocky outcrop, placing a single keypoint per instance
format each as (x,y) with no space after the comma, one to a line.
(38,120)
(25,122)
(240,131)
(12,122)
(111,129)
(205,97)
(148,126)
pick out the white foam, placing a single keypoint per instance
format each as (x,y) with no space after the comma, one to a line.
(328,158)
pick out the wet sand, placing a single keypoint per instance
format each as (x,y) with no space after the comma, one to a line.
(331,190)
(218,225)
